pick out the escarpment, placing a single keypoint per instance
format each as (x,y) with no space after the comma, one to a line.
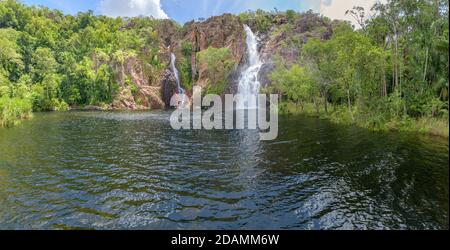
(218,32)
(144,84)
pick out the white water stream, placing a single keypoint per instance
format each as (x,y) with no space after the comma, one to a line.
(249,84)
(184,99)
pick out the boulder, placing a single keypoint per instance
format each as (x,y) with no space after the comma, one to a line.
(169,87)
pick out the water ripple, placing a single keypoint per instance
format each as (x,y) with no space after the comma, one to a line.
(119,170)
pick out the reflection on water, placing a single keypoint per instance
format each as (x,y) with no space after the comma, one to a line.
(132,171)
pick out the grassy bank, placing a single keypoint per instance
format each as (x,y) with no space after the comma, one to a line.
(377,122)
(13,110)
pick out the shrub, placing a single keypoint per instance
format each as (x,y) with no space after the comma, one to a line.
(186,48)
(185,72)
(12,110)
(218,63)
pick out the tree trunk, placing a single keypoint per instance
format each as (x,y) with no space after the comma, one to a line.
(383,80)
(393,77)
(396,59)
(350,104)
(316,105)
(426,65)
(395,64)
(428,49)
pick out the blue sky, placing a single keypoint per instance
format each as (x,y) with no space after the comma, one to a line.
(186,10)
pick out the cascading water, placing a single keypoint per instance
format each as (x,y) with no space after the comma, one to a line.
(181,92)
(249,84)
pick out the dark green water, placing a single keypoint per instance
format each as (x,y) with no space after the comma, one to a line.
(132,171)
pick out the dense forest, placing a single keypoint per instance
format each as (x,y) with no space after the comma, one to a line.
(389,72)
(50,61)
(392,73)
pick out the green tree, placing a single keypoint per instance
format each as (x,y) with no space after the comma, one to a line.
(43,64)
(218,64)
(10,58)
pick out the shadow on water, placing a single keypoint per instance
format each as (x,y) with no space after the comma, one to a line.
(119,170)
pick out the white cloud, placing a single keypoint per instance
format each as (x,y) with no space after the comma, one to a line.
(335,9)
(131,8)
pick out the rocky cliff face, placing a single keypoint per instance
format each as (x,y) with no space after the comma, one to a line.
(224,31)
(169,86)
(144,86)
(135,87)
(285,39)
(141,88)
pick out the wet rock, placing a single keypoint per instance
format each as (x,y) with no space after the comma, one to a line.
(169,87)
(264,73)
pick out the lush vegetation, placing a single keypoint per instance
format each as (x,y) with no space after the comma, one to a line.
(49,60)
(392,73)
(184,65)
(389,73)
(219,64)
(13,110)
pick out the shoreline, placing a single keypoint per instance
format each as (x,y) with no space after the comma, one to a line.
(428,126)
(433,127)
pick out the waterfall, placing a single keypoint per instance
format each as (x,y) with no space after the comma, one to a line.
(181,91)
(249,84)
